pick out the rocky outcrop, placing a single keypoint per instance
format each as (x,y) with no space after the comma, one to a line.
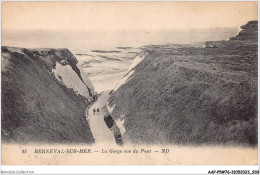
(247,35)
(248,32)
(38,103)
(192,95)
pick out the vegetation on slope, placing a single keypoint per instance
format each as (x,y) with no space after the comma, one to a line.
(36,107)
(183,94)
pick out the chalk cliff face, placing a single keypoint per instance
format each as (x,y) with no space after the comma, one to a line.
(44,97)
(185,94)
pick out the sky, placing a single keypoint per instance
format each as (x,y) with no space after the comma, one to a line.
(114,16)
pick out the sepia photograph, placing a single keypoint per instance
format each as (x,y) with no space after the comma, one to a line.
(129,83)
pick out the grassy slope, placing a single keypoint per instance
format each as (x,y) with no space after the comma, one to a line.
(35,106)
(192,95)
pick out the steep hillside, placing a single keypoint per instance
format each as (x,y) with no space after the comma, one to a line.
(183,94)
(44,97)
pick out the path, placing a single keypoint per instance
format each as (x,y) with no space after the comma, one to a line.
(101,133)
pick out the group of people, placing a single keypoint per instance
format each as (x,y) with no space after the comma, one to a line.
(94,111)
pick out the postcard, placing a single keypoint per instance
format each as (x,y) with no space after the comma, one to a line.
(129,83)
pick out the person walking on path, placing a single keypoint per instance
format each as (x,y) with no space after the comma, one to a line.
(94,111)
(98,110)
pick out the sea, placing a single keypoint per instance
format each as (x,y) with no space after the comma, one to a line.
(107,55)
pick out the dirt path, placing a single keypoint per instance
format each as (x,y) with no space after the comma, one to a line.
(101,133)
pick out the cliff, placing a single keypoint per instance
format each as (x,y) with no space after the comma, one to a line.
(44,97)
(191,95)
(248,31)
